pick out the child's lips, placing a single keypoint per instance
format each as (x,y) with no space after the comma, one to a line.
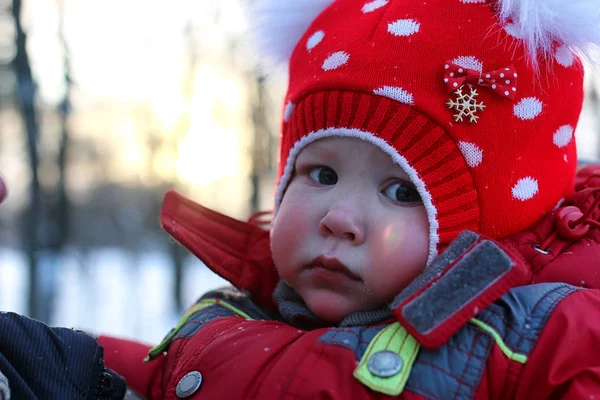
(332,265)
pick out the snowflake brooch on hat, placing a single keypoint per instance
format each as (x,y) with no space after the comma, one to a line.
(466,105)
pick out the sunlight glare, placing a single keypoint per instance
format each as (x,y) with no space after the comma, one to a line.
(131,153)
(390,238)
(208,155)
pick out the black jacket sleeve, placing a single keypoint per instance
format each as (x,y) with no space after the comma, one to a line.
(40,362)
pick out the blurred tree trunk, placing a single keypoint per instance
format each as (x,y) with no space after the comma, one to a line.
(26,89)
(55,229)
(62,216)
(260,143)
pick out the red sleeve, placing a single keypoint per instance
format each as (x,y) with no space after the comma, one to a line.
(565,362)
(125,357)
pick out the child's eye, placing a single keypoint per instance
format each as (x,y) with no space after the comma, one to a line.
(402,192)
(323,175)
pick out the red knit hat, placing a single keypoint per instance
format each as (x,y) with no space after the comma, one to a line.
(449,90)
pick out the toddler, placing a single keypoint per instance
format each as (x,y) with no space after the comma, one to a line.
(429,240)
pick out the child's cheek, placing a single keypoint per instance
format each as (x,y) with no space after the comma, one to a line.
(391,240)
(401,245)
(290,228)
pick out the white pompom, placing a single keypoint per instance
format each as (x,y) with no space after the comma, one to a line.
(573,23)
(278,25)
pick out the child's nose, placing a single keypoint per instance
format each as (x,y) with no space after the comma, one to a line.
(343,224)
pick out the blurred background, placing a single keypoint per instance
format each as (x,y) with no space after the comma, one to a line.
(104,106)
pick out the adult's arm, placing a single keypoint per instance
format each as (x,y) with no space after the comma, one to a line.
(40,362)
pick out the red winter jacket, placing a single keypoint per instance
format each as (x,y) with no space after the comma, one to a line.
(483,321)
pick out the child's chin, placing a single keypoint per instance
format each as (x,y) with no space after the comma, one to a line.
(330,310)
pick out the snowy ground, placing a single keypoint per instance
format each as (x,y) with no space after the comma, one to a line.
(114,293)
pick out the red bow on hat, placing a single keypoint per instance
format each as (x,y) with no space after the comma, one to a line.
(502,81)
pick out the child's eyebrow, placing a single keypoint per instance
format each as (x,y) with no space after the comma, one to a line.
(320,150)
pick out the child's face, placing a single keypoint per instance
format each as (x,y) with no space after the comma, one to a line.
(351,230)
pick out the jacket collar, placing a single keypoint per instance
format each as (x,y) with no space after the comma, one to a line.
(237,251)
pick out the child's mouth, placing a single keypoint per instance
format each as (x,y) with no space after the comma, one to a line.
(329,267)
